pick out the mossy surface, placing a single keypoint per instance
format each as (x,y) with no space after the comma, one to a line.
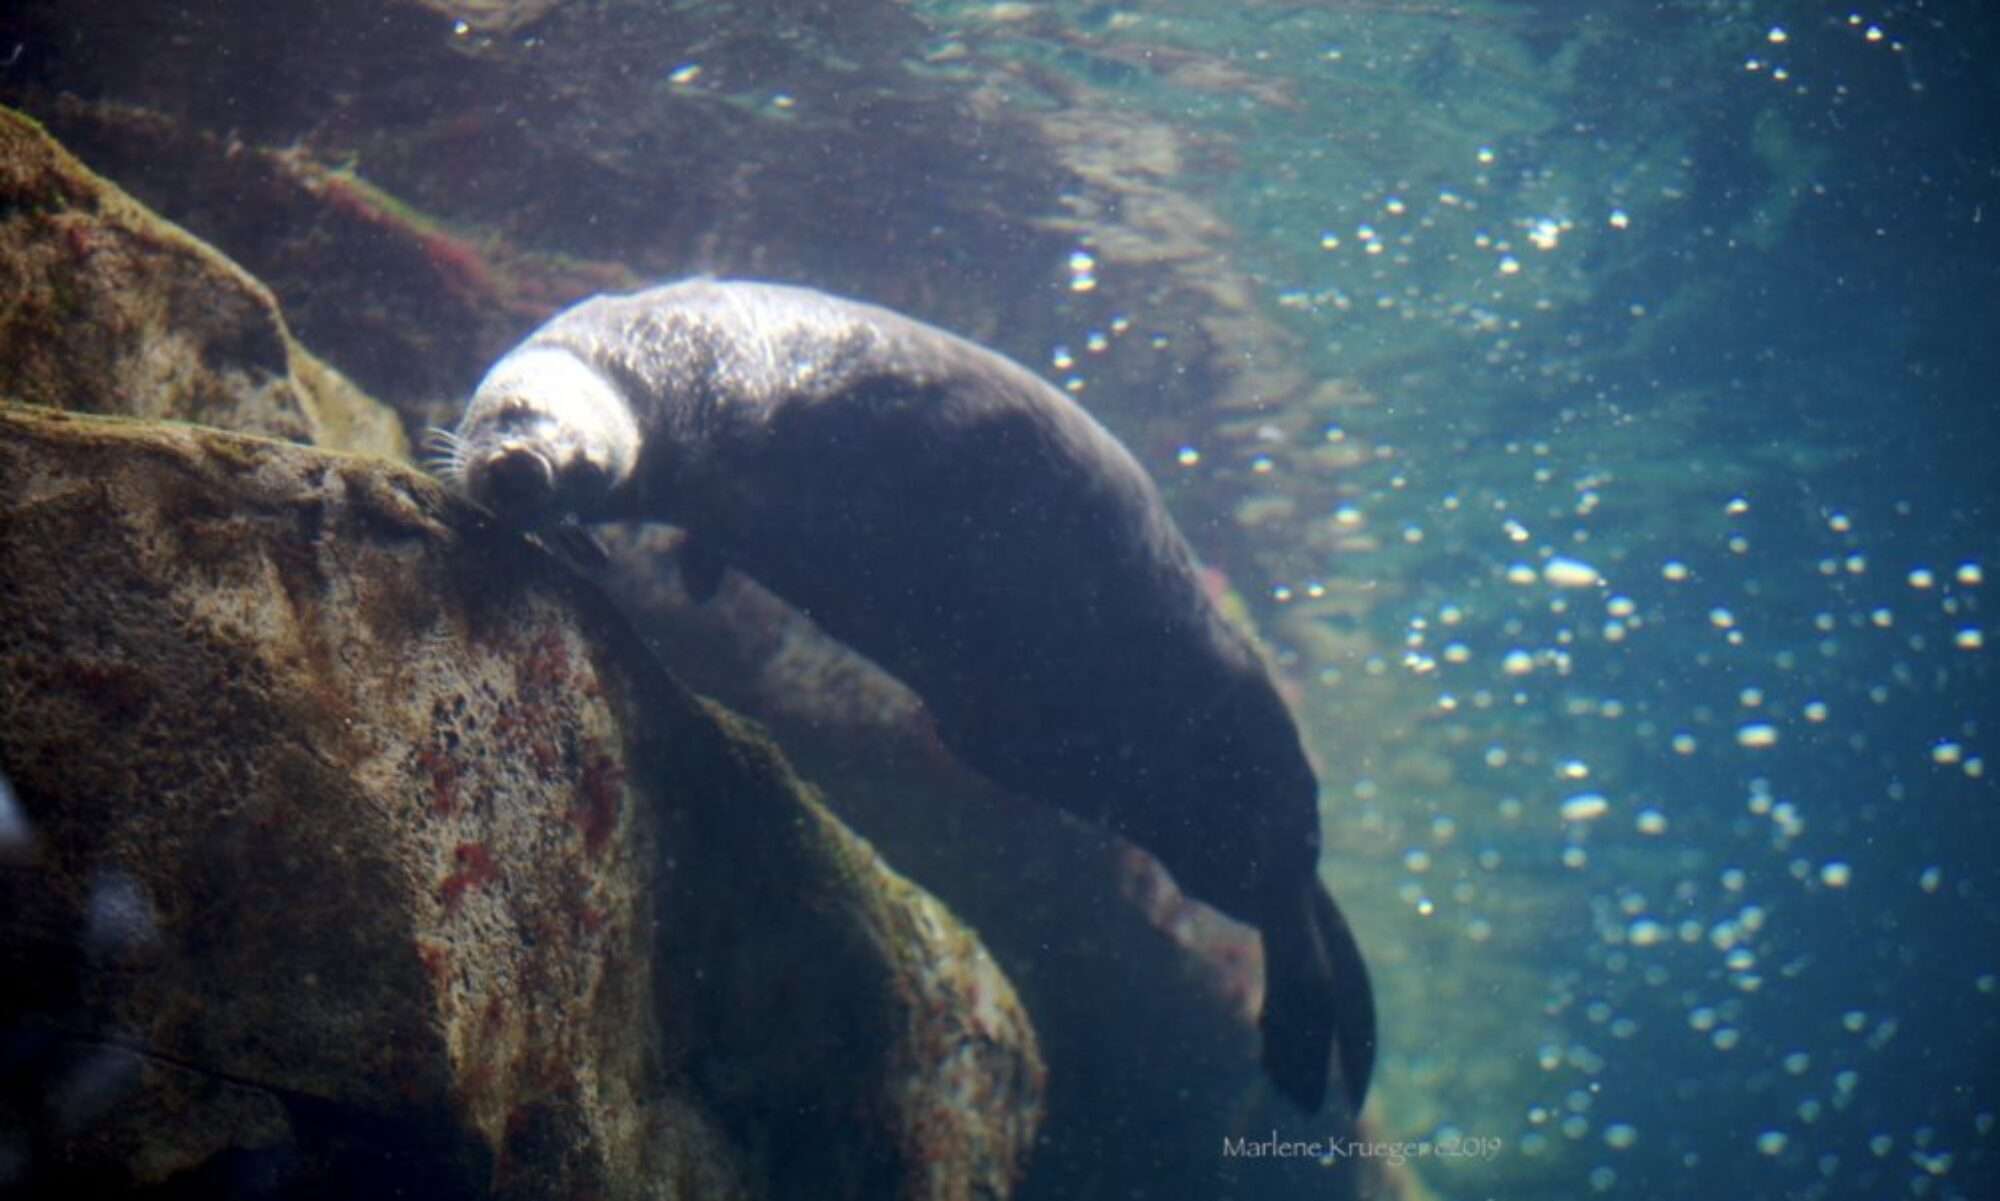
(415,847)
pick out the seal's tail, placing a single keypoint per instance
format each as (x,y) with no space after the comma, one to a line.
(1316,998)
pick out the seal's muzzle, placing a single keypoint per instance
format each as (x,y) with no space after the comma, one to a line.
(515,481)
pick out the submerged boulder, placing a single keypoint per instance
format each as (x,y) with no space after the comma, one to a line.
(367,847)
(113,309)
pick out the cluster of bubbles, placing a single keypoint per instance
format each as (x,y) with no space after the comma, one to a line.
(1772,62)
(1751,754)
(1745,749)
(1740,749)
(1476,258)
(1732,723)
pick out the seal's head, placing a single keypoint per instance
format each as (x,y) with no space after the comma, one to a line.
(546,436)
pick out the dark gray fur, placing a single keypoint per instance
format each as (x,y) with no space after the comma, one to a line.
(953,517)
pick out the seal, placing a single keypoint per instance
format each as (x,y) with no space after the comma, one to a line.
(950,515)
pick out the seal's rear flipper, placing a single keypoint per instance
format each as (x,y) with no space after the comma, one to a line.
(1316,998)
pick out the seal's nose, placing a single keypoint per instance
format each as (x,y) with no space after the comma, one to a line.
(514,480)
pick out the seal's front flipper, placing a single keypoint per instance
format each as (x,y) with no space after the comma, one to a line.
(1317,999)
(701,568)
(582,548)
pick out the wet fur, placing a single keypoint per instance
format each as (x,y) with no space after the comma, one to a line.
(953,517)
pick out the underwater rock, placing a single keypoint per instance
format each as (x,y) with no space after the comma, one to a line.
(370,848)
(113,309)
(409,304)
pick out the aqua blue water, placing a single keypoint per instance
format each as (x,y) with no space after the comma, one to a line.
(1660,748)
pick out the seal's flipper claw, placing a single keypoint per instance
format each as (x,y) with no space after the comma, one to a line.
(701,569)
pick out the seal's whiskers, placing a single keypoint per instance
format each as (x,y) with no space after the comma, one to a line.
(444,454)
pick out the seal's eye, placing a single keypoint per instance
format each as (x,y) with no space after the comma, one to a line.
(514,481)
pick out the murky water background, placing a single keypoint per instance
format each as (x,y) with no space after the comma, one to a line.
(1637,564)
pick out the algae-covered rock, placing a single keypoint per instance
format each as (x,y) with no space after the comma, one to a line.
(367,847)
(113,309)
